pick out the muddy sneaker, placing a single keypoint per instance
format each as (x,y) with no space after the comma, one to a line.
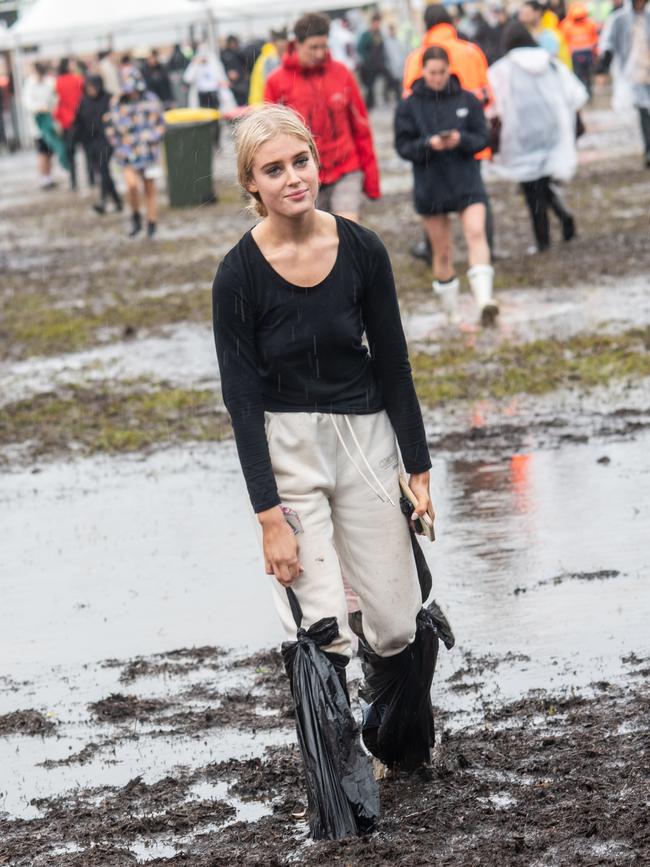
(489,315)
(380,771)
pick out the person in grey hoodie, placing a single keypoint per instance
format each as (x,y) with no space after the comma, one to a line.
(626,37)
(536,100)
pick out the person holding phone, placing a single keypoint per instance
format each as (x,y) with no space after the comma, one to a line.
(439,128)
(317,415)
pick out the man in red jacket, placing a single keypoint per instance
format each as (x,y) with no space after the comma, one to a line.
(325,93)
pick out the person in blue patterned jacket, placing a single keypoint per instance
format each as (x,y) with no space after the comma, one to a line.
(135,127)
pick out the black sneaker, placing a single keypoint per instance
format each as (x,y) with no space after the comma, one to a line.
(422,250)
(136,225)
(568,228)
(99,208)
(151,229)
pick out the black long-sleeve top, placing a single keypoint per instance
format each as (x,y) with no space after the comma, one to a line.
(442,180)
(286,348)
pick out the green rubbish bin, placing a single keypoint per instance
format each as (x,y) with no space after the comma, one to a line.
(189,138)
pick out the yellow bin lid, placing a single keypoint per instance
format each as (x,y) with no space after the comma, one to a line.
(191,115)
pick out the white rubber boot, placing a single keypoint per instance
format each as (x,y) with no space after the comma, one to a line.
(447,292)
(481,278)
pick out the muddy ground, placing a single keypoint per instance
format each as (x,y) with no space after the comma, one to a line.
(118,750)
(549,779)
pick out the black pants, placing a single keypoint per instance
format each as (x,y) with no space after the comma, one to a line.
(100,159)
(644,117)
(70,145)
(583,62)
(541,197)
(210,99)
(369,76)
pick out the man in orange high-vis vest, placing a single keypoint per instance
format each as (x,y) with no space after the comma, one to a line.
(581,34)
(466,60)
(468,63)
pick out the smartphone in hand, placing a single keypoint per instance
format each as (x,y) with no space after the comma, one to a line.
(423,525)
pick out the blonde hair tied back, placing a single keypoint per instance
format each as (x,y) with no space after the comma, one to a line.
(254,130)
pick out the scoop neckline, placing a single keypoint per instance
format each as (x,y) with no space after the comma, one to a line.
(296,286)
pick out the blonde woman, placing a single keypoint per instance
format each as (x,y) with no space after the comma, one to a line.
(317,416)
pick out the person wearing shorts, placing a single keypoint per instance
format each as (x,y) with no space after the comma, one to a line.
(134,128)
(325,94)
(440,128)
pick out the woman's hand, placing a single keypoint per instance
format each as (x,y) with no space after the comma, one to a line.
(280,547)
(452,140)
(437,143)
(419,484)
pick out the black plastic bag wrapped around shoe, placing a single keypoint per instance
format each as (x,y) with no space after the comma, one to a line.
(342,794)
(398,726)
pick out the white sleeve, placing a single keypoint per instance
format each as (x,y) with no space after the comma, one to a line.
(190,73)
(575,92)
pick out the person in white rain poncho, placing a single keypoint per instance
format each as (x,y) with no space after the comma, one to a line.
(536,100)
(209,85)
(626,41)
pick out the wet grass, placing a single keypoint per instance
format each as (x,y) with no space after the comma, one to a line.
(461,371)
(31,325)
(140,415)
(86,421)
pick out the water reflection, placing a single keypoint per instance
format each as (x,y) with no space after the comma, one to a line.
(507,527)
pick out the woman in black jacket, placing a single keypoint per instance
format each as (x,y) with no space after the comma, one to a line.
(90,131)
(439,128)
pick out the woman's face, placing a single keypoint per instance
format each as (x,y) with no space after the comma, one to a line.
(285,176)
(436,74)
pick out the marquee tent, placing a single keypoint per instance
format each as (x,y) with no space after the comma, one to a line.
(53,21)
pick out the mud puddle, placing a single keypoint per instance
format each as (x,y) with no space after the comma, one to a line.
(182,355)
(537,563)
(530,314)
(137,562)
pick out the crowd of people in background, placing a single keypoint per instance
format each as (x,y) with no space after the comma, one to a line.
(486,84)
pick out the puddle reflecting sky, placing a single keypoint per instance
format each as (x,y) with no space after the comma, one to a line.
(112,558)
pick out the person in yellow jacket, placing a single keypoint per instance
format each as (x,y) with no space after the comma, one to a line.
(544,26)
(268,60)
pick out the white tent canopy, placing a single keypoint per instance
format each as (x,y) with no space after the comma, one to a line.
(6,39)
(54,21)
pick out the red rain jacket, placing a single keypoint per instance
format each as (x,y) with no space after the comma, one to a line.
(327,97)
(70,89)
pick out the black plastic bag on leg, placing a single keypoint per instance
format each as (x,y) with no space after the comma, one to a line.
(342,794)
(398,723)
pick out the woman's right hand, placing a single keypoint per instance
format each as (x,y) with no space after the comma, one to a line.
(280,547)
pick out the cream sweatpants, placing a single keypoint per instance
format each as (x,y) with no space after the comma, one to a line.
(347,527)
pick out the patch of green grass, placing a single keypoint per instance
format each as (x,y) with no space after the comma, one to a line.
(86,421)
(459,371)
(30,325)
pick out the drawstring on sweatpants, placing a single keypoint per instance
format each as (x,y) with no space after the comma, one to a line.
(383,494)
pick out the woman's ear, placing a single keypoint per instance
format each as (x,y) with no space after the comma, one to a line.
(251,187)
